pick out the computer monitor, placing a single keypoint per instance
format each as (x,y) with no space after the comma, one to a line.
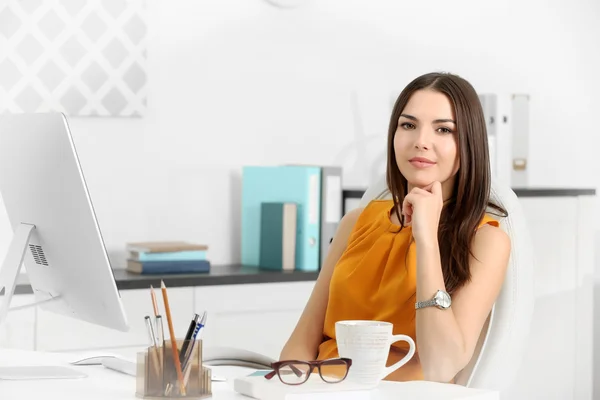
(56,234)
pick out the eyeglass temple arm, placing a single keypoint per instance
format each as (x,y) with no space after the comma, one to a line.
(270,374)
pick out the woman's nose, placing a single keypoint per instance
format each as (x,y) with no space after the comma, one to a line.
(422,142)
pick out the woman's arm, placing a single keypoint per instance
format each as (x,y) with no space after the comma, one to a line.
(306,337)
(446,339)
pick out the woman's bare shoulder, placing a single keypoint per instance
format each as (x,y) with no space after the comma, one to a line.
(349,220)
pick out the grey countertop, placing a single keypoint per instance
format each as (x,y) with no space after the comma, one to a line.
(219,275)
(553,192)
(520,192)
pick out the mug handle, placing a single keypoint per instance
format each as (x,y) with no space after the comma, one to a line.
(405,359)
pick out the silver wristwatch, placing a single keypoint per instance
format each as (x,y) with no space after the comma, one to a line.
(441,300)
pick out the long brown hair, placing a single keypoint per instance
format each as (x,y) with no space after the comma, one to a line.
(470,199)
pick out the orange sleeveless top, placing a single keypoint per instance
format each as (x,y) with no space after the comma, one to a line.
(376,279)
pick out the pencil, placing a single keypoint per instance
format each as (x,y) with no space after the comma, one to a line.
(173,339)
(154,303)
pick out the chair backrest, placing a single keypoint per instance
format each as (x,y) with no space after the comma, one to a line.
(498,355)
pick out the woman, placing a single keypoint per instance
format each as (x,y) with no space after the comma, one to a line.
(434,239)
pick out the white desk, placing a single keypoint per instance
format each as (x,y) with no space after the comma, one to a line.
(102,384)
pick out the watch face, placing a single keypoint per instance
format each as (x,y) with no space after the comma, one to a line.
(442,299)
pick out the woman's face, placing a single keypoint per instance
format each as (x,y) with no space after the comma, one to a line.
(425,143)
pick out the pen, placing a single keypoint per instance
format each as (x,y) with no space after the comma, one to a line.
(150,331)
(160,337)
(200,327)
(153,348)
(188,364)
(160,331)
(197,330)
(188,337)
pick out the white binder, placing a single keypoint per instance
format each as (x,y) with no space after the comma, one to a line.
(507,124)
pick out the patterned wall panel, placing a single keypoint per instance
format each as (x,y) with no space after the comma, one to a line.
(80,57)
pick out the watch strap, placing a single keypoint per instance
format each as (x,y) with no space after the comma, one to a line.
(423,304)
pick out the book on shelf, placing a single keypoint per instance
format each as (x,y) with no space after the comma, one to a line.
(186,255)
(278,236)
(165,246)
(168,267)
(166,251)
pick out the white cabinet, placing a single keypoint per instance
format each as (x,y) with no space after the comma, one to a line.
(59,333)
(557,362)
(548,370)
(17,330)
(257,317)
(552,223)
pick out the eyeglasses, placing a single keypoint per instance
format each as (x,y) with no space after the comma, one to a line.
(296,372)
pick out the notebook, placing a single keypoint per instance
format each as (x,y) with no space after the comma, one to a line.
(260,388)
(278,236)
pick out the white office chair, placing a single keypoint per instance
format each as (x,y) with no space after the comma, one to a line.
(500,348)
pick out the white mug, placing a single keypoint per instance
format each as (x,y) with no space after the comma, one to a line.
(367,344)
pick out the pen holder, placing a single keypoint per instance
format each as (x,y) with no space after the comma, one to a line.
(157,376)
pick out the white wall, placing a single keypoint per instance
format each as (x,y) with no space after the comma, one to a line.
(234,82)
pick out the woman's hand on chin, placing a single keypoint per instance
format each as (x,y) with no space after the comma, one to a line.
(421,209)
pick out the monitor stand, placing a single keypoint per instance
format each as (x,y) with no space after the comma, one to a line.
(9,272)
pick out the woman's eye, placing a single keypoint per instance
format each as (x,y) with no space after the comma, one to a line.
(407,125)
(444,130)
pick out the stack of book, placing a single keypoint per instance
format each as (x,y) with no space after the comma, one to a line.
(174,257)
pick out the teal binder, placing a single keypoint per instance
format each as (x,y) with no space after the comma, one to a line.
(294,184)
